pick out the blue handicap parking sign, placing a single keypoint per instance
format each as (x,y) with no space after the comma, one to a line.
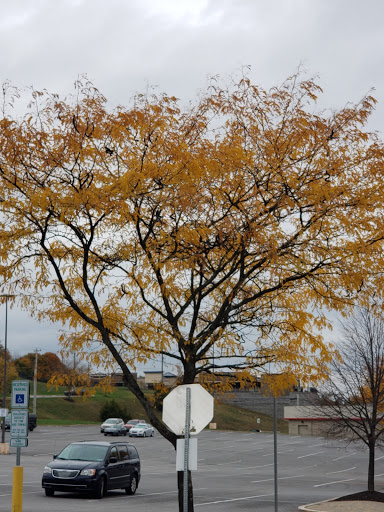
(19,399)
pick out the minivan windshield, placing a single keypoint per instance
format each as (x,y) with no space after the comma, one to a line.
(79,451)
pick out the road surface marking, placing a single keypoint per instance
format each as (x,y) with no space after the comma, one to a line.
(268,454)
(279,478)
(309,455)
(232,499)
(344,456)
(337,482)
(341,471)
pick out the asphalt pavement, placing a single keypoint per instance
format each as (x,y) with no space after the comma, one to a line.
(235,472)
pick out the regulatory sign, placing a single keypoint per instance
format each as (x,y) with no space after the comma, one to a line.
(174,409)
(18,442)
(3,413)
(192,454)
(20,394)
(19,423)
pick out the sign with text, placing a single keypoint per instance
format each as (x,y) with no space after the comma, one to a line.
(19,423)
(20,394)
(18,442)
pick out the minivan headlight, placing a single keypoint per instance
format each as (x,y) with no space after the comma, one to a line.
(47,470)
(88,472)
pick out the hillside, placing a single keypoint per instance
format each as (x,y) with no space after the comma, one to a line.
(54,408)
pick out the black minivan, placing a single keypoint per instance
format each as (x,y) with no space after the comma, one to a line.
(94,467)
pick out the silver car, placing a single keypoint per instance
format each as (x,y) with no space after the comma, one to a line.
(112,422)
(142,430)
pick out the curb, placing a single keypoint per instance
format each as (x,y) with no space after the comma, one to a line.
(306,508)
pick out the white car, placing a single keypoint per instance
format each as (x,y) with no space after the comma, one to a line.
(142,430)
(112,422)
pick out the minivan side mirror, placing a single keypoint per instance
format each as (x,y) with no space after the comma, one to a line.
(112,460)
(54,456)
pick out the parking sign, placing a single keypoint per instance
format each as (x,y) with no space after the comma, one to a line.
(20,394)
(19,423)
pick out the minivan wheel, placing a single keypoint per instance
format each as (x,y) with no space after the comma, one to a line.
(101,489)
(133,486)
(49,492)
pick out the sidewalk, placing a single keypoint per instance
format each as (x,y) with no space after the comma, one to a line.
(344,506)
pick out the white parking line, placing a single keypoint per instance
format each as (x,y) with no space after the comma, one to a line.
(378,458)
(272,479)
(341,471)
(255,467)
(309,455)
(225,463)
(286,451)
(344,456)
(231,500)
(32,492)
(337,482)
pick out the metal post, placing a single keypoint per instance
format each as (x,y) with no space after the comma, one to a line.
(5,366)
(275,451)
(186,447)
(35,382)
(162,368)
(298,393)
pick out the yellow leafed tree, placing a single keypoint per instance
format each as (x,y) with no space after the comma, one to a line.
(216,234)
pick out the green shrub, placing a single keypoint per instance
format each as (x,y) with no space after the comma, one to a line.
(112,409)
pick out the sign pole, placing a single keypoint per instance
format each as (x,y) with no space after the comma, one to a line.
(19,437)
(186,446)
(275,452)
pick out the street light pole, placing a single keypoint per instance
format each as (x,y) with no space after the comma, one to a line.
(35,381)
(6,296)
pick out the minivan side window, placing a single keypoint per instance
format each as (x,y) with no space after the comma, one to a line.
(123,452)
(113,453)
(133,452)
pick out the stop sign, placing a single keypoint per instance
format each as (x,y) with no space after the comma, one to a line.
(175,409)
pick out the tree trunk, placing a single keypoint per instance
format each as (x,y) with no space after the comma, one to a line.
(180,487)
(371,467)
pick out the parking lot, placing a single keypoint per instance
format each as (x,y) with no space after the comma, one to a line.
(235,472)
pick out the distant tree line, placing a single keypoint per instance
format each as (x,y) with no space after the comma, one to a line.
(48,364)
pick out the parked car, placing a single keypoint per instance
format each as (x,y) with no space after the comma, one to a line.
(111,422)
(115,429)
(132,423)
(74,392)
(142,430)
(32,421)
(93,467)
(7,422)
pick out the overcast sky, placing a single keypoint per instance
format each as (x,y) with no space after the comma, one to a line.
(125,46)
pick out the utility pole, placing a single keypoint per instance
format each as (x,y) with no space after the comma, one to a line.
(35,381)
(5,296)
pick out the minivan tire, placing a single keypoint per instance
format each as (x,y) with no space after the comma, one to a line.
(100,489)
(132,486)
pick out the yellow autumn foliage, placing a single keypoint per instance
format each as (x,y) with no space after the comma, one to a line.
(217,234)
